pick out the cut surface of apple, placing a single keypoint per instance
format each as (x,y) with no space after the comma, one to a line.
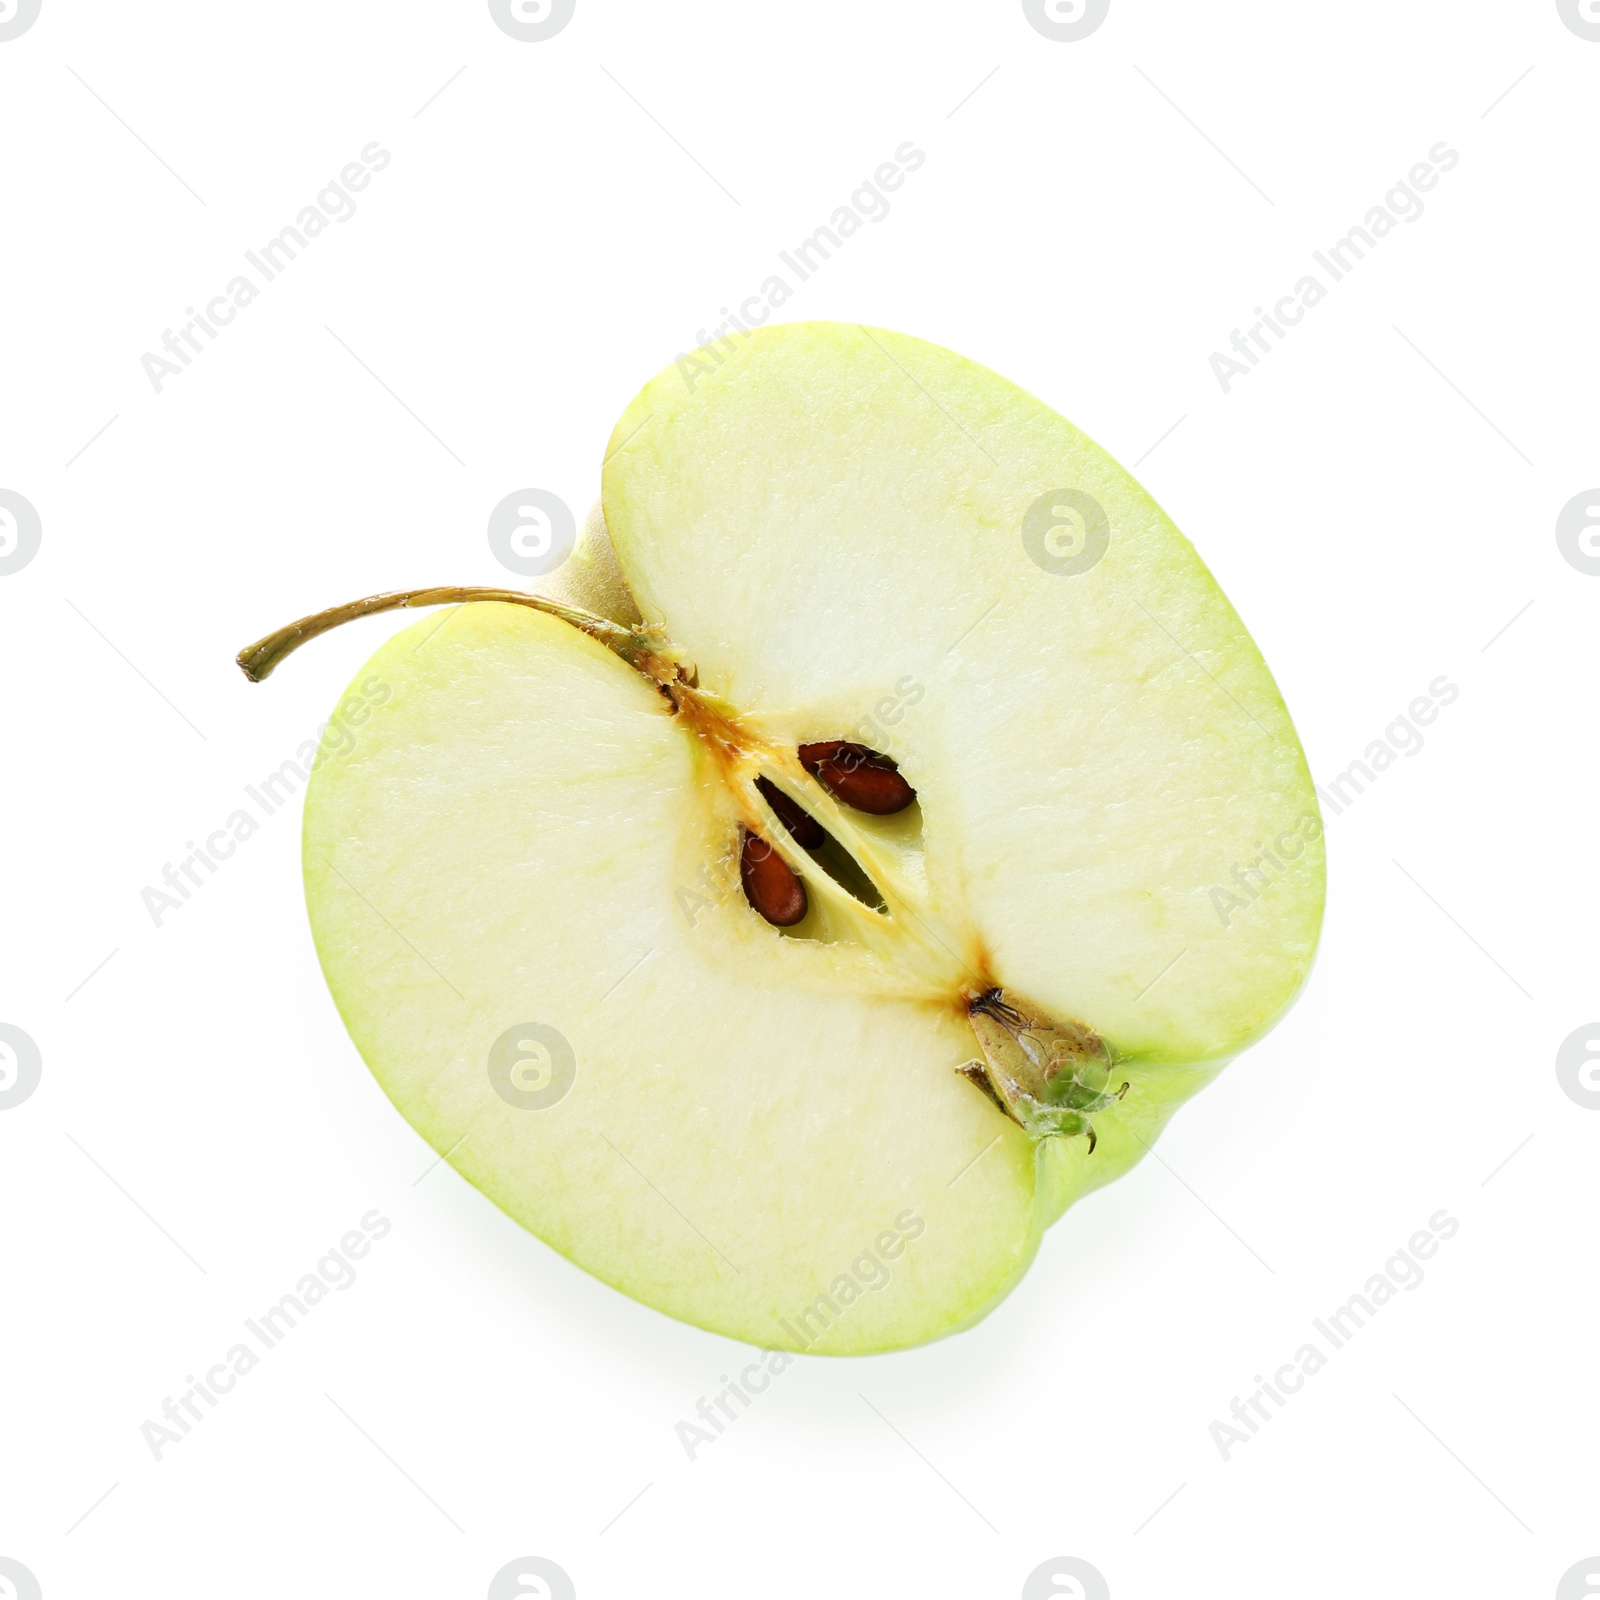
(867,569)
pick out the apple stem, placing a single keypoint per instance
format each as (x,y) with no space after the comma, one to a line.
(258,660)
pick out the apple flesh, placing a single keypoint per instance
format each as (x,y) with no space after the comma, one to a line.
(846,1134)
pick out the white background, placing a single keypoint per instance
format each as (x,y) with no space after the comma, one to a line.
(1378,498)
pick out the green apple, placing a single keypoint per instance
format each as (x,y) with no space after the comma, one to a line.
(904,830)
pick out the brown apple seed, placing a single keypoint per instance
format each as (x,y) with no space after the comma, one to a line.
(769,885)
(858,776)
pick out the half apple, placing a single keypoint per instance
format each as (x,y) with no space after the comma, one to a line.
(844,1128)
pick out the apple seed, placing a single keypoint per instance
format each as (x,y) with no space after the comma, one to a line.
(769,884)
(858,776)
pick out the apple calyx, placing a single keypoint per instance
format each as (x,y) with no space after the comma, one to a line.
(1047,1076)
